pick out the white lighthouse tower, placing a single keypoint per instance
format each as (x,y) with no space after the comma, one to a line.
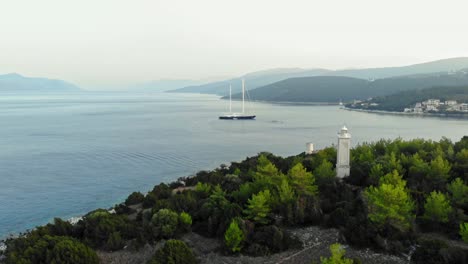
(342,160)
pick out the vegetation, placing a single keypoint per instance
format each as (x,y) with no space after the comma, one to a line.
(234,237)
(135,198)
(258,207)
(396,191)
(50,249)
(336,88)
(174,252)
(390,203)
(464,232)
(337,256)
(437,207)
(165,222)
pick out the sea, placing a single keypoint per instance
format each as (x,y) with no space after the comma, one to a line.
(63,155)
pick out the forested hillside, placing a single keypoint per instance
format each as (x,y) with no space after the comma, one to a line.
(402,197)
(336,88)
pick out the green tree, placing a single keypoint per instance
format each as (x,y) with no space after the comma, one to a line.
(376,172)
(393,163)
(464,231)
(324,173)
(337,256)
(266,176)
(135,198)
(234,237)
(203,188)
(165,221)
(392,178)
(185,221)
(285,192)
(174,252)
(217,201)
(49,249)
(459,191)
(390,203)
(258,207)
(439,170)
(437,207)
(302,180)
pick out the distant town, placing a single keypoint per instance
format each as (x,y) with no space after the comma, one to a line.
(436,105)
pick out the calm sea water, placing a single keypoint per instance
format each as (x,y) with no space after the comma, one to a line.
(65,155)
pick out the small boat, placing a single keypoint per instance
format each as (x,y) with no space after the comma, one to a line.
(237,116)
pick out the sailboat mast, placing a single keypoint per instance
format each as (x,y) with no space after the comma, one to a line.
(243,91)
(230,102)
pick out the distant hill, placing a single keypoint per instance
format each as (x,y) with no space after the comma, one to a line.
(336,88)
(163,85)
(252,81)
(14,82)
(445,65)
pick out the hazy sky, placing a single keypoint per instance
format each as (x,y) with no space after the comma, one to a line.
(97,43)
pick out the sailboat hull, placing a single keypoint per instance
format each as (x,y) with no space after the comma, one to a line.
(237,117)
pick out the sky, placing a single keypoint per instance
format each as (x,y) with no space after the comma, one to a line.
(104,43)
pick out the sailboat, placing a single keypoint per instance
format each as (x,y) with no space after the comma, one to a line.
(238,116)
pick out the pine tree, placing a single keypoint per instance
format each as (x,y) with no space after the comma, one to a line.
(459,191)
(302,180)
(258,207)
(234,237)
(437,207)
(390,203)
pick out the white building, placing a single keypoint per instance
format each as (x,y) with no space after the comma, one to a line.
(434,102)
(463,107)
(342,160)
(450,102)
(432,108)
(309,148)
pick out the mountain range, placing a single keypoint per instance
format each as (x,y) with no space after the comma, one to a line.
(412,76)
(253,80)
(14,82)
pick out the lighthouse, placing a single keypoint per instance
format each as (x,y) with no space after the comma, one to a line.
(342,159)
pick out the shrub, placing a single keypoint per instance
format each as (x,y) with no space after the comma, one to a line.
(165,221)
(115,242)
(428,252)
(174,252)
(464,232)
(234,237)
(337,256)
(272,237)
(99,225)
(185,221)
